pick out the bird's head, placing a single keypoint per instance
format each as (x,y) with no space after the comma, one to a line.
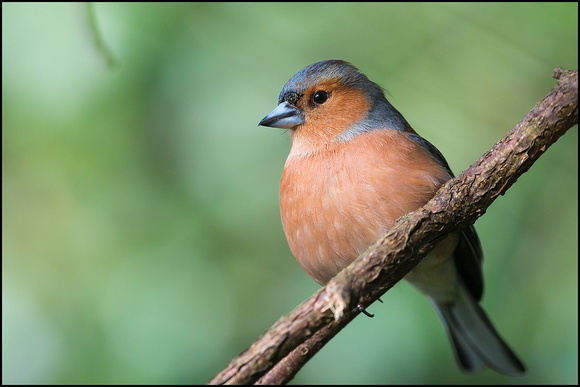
(332,101)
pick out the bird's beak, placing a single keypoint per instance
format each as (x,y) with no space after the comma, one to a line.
(284,116)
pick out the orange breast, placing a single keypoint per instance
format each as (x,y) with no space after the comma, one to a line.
(337,201)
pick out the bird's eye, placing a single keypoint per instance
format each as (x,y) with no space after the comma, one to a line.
(320,97)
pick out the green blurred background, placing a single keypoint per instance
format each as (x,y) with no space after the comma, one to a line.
(141,235)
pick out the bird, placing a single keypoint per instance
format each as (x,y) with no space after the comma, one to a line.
(355,166)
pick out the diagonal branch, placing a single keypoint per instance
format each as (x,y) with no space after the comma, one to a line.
(282,350)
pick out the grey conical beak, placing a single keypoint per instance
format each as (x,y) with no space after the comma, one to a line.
(284,116)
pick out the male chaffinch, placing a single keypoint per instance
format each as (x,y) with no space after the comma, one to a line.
(355,166)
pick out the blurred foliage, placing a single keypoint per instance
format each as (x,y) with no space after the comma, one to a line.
(141,239)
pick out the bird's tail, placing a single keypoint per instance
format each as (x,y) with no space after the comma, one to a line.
(475,341)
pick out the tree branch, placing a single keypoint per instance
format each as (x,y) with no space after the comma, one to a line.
(282,350)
